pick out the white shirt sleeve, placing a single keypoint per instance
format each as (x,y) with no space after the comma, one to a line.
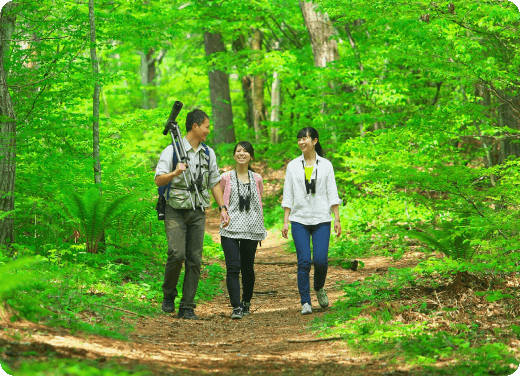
(288,190)
(332,189)
(214,173)
(165,164)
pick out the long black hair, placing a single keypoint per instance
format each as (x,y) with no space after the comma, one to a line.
(312,133)
(249,148)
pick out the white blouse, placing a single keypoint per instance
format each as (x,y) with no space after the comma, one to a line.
(310,208)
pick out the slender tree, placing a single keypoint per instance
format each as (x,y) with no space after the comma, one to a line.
(95,108)
(247,84)
(95,97)
(148,71)
(7,133)
(259,113)
(219,92)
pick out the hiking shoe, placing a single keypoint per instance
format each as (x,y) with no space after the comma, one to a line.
(187,313)
(237,313)
(245,308)
(168,305)
(322,298)
(306,309)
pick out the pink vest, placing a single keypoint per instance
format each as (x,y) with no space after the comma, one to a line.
(225,184)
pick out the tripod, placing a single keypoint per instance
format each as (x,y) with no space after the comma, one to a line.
(173,128)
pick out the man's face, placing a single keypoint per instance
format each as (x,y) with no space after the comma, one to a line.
(201,131)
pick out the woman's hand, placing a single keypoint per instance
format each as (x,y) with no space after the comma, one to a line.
(224,218)
(285,230)
(337,228)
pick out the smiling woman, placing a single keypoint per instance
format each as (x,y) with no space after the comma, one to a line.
(243,191)
(308,204)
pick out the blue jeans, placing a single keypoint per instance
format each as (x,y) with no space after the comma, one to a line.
(320,248)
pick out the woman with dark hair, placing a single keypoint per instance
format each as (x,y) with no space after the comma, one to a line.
(243,190)
(309,196)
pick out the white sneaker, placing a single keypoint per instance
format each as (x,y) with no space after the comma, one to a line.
(306,309)
(322,298)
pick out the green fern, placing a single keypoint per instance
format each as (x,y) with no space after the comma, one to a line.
(453,239)
(93,214)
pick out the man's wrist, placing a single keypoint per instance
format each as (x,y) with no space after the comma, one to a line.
(222,207)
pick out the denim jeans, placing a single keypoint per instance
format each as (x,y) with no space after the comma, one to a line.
(185,233)
(240,256)
(320,248)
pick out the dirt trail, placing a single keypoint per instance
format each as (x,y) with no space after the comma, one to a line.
(259,343)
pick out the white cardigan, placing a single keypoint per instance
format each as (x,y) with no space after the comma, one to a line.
(310,209)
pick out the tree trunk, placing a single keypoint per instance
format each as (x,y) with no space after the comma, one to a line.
(247,91)
(320,30)
(275,107)
(95,97)
(7,134)
(247,85)
(95,109)
(219,93)
(259,112)
(148,71)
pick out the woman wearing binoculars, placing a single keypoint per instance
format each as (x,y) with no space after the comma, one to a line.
(243,190)
(309,196)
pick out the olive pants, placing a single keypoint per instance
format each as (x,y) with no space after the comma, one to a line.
(185,234)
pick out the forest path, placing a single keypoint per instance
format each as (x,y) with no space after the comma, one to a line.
(261,343)
(257,344)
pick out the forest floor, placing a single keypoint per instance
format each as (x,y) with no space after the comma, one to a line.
(275,338)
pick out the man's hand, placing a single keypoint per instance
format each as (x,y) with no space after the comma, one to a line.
(181,167)
(285,230)
(224,217)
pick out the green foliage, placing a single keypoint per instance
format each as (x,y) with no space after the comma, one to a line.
(14,275)
(94,214)
(17,279)
(66,367)
(370,318)
(102,293)
(453,239)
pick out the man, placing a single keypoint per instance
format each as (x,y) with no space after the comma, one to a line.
(185,226)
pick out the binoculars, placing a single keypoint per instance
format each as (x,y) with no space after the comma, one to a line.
(310,187)
(244,203)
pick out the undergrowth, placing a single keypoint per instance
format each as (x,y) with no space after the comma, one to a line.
(101,293)
(443,316)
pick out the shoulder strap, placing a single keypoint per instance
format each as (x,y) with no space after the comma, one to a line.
(206,149)
(166,188)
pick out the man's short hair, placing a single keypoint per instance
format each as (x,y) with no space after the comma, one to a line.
(195,116)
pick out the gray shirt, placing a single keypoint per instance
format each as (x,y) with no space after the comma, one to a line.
(198,164)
